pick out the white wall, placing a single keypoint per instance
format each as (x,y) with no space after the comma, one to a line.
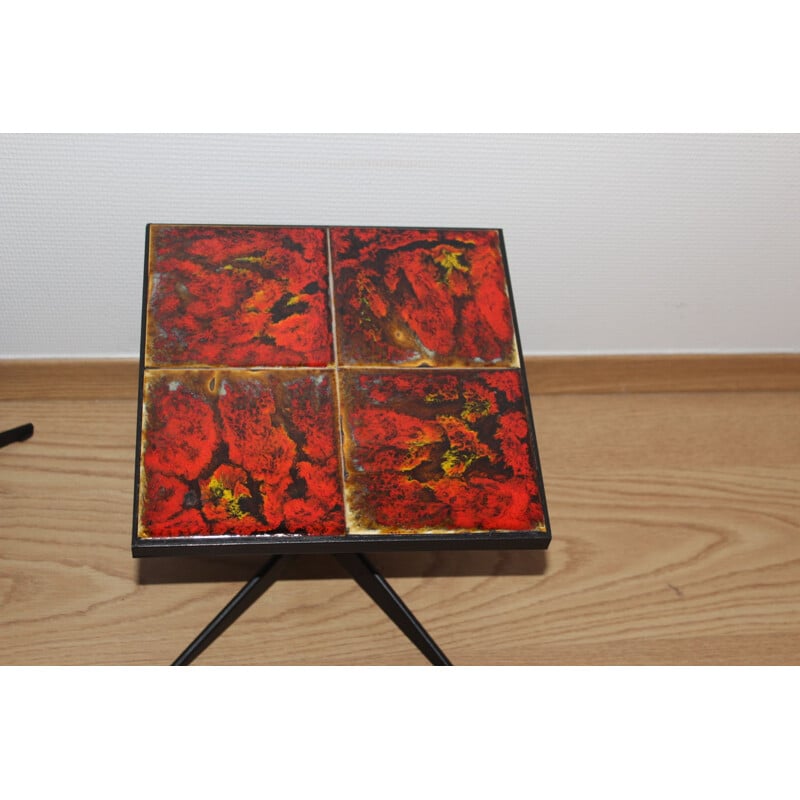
(616,243)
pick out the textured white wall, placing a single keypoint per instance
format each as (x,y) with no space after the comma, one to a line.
(616,243)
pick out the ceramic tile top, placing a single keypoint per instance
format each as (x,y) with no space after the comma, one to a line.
(314,383)
(421,298)
(238,297)
(238,452)
(434,451)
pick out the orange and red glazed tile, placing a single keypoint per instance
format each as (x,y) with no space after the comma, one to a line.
(421,297)
(238,452)
(305,381)
(438,451)
(238,297)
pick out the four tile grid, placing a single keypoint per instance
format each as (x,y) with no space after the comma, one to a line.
(318,382)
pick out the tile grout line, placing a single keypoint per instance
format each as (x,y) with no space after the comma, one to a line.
(337,387)
(336,368)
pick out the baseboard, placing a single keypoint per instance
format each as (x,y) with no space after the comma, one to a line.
(118,378)
(68,379)
(766,372)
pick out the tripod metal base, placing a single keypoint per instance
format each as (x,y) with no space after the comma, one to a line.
(364,574)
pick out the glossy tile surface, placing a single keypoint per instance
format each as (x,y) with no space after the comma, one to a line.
(238,452)
(421,297)
(238,297)
(428,450)
(331,382)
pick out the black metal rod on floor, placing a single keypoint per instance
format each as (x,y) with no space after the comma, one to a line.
(19,434)
(376,586)
(243,599)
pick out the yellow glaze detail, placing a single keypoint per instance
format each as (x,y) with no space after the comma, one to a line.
(220,493)
(475,409)
(450,260)
(455,462)
(239,270)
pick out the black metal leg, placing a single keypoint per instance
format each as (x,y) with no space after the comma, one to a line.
(19,434)
(244,598)
(375,585)
(364,574)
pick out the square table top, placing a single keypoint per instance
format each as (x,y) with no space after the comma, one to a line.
(332,389)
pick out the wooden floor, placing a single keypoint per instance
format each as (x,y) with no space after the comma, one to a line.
(676,540)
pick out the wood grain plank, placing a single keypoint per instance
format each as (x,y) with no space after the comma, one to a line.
(118,379)
(676,524)
(663,373)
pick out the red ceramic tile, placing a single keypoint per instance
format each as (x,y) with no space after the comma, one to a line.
(421,297)
(238,297)
(238,452)
(438,451)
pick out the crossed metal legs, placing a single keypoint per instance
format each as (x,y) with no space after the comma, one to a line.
(364,574)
